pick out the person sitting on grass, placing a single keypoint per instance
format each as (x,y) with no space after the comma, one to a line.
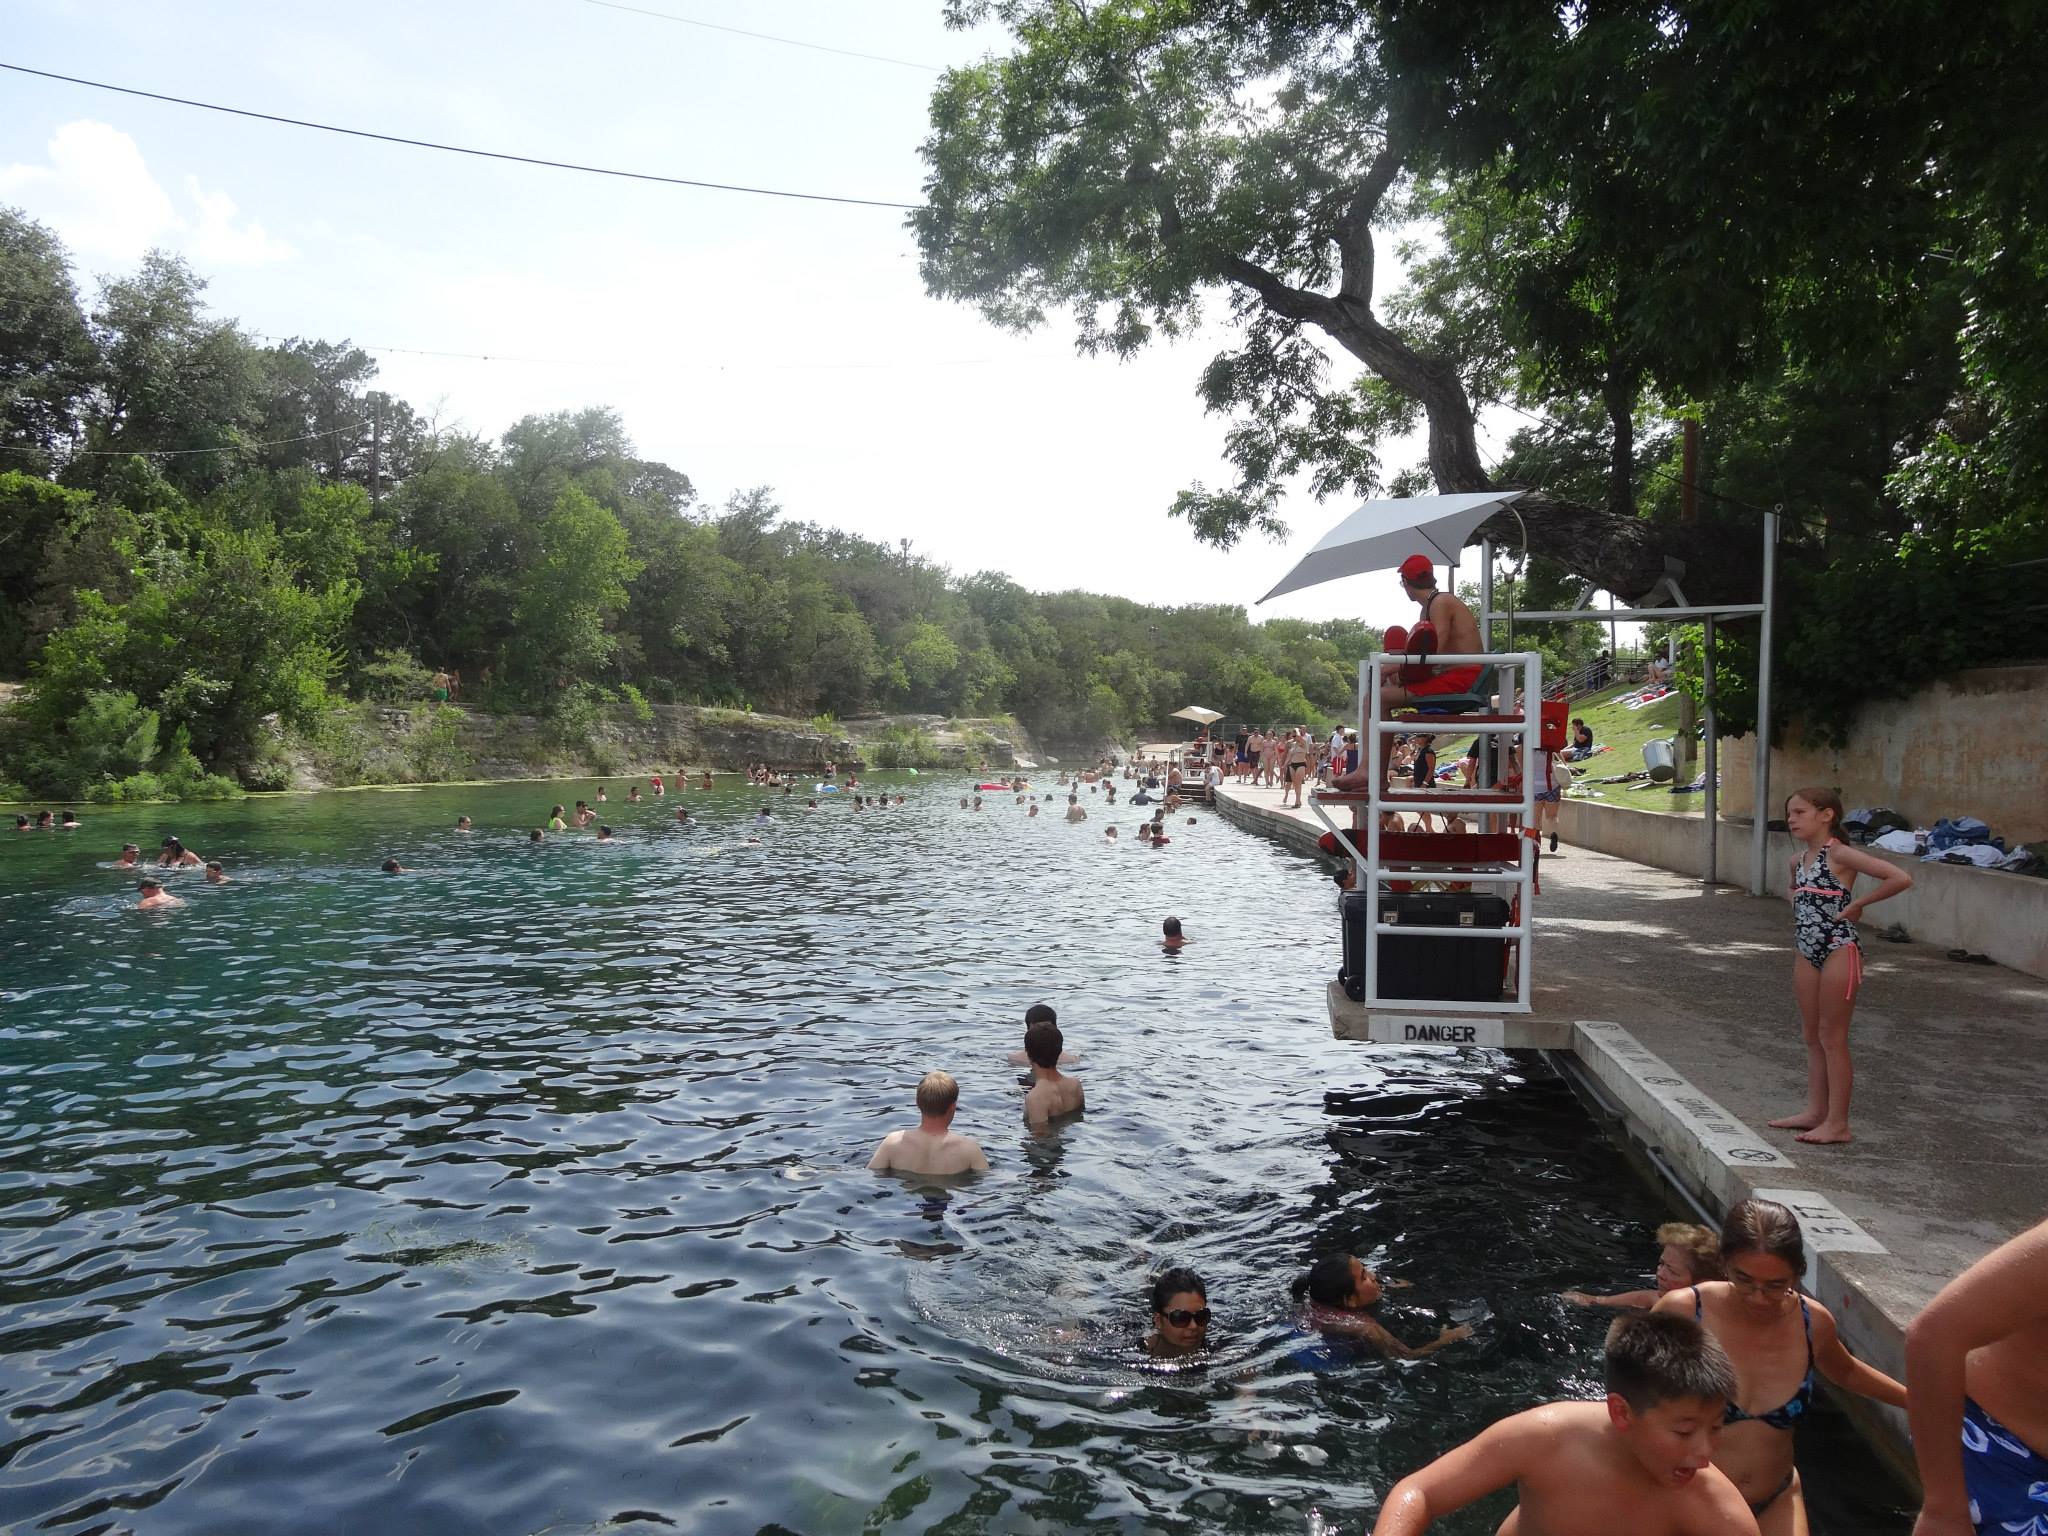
(1638,1464)
(1687,1254)
(1336,1292)
(933,1147)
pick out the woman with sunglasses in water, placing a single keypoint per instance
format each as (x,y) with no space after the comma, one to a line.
(1777,1339)
(1180,1315)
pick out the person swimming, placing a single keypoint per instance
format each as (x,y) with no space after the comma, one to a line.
(604,834)
(176,855)
(154,894)
(1053,1094)
(393,867)
(1687,1254)
(1337,1290)
(536,836)
(1180,1314)
(463,824)
(932,1146)
(131,855)
(1171,936)
(556,822)
(215,875)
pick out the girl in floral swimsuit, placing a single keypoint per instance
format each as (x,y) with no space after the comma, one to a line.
(1829,964)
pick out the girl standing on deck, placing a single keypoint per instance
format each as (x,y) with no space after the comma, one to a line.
(1777,1338)
(1828,966)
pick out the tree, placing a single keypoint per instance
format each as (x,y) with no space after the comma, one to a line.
(574,587)
(1677,196)
(47,358)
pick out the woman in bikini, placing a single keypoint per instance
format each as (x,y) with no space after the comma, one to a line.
(1828,968)
(1777,1339)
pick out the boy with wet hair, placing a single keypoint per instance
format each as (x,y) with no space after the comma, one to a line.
(1042,1013)
(1170,935)
(1052,1093)
(933,1147)
(1639,1464)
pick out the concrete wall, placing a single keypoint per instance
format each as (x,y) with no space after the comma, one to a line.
(1999,915)
(1975,745)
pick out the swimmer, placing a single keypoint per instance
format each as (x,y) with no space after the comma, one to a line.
(682,816)
(604,834)
(463,824)
(762,818)
(934,1147)
(393,867)
(1076,811)
(1338,1289)
(655,784)
(633,795)
(154,894)
(977,803)
(21,824)
(1031,810)
(1171,936)
(215,875)
(1180,1315)
(707,778)
(810,805)
(536,836)
(131,855)
(1638,1464)
(1191,821)
(67,822)
(1052,1094)
(584,814)
(45,822)
(1041,1013)
(555,820)
(176,855)
(963,802)
(1688,1255)
(1109,834)
(601,796)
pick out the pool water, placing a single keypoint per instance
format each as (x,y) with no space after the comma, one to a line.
(524,1193)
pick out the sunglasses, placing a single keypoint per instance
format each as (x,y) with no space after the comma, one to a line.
(1181,1317)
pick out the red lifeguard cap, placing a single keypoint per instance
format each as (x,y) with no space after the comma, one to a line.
(1418,572)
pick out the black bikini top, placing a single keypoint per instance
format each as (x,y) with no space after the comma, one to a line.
(1795,1407)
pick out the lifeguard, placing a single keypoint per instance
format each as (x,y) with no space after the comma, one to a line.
(1447,627)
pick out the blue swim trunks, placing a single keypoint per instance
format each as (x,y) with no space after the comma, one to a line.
(2007,1478)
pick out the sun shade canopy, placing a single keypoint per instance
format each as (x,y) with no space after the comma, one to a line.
(1381,534)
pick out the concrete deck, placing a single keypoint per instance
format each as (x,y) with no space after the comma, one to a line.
(1683,1014)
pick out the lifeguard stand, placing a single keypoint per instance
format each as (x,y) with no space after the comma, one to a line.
(1496,858)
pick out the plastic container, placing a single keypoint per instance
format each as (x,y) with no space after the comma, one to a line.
(1661,758)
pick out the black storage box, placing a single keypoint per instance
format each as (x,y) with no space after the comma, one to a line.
(1470,970)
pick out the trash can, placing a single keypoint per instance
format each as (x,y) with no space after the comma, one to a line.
(1661,758)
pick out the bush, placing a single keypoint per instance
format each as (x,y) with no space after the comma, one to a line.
(637,702)
(906,746)
(431,748)
(394,677)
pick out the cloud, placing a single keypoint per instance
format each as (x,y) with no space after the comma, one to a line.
(97,193)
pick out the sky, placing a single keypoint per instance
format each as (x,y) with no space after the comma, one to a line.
(744,340)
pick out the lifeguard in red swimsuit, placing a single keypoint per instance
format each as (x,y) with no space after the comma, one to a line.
(1445,627)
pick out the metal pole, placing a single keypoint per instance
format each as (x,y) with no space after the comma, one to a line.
(1486,594)
(1762,809)
(1710,759)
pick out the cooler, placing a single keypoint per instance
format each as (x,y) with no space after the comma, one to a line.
(1427,969)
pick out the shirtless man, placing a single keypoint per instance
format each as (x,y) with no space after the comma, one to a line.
(934,1147)
(131,855)
(1456,634)
(154,895)
(1977,1393)
(1639,1464)
(1042,1013)
(1075,810)
(1053,1093)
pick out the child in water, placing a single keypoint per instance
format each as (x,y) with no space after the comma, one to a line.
(1827,965)
(1687,1254)
(1338,1290)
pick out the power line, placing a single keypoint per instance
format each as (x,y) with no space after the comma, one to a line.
(172,453)
(456,149)
(766,37)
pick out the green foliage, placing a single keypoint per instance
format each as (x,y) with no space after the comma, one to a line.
(906,746)
(109,752)
(636,702)
(432,745)
(392,677)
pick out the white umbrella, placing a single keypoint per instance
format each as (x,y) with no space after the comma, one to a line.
(1381,534)
(1199,715)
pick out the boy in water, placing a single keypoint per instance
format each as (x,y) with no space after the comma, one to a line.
(1172,936)
(934,1147)
(154,894)
(464,824)
(1052,1093)
(1639,1464)
(215,875)
(1041,1013)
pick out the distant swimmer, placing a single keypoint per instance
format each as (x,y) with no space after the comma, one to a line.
(154,894)
(977,802)
(1053,1093)
(810,805)
(556,823)
(1109,833)
(215,875)
(654,783)
(604,834)
(707,778)
(1180,1315)
(1339,1288)
(131,855)
(933,1147)
(1031,810)
(1687,1255)
(1076,811)
(21,823)
(584,814)
(536,836)
(963,805)
(464,824)
(45,822)
(1638,1464)
(682,816)
(1170,935)
(393,867)
(762,818)
(176,855)
(67,823)
(602,797)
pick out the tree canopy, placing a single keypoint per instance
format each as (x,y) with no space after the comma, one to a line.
(1817,231)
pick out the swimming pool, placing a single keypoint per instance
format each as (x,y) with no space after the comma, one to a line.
(523,1193)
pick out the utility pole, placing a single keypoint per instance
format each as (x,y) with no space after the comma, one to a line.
(376,451)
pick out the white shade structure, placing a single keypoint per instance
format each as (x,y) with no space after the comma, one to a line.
(1199,715)
(1381,534)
